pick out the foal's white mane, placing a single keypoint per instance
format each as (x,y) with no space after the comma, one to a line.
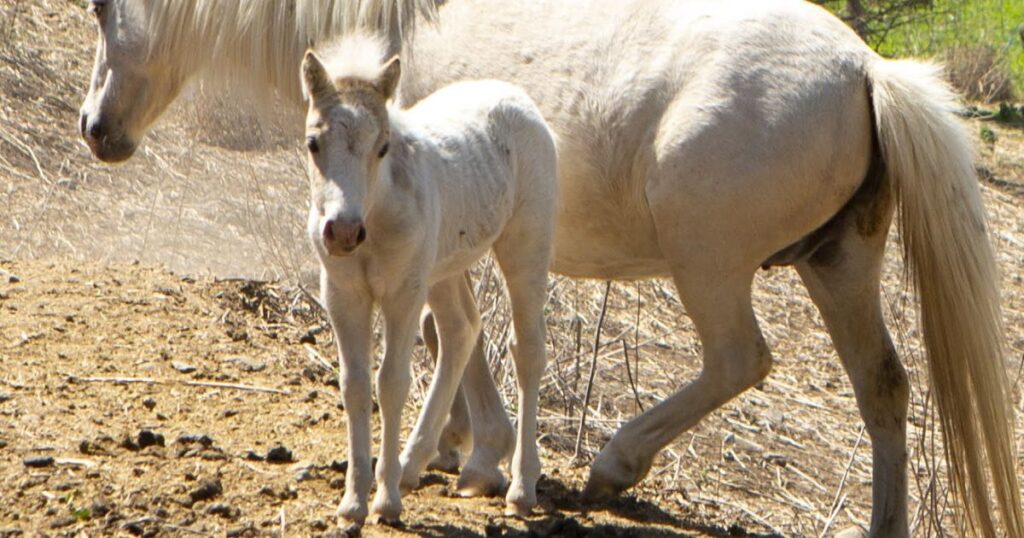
(359,55)
(242,39)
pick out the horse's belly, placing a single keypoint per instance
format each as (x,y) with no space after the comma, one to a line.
(600,237)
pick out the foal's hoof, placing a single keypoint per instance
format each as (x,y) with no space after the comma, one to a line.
(347,528)
(478,483)
(852,532)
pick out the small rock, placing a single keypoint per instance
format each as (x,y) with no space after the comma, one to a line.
(100,507)
(4,397)
(224,510)
(308,338)
(62,522)
(9,277)
(10,532)
(250,366)
(3,444)
(207,489)
(252,455)
(318,525)
(228,413)
(149,403)
(195,438)
(337,483)
(339,466)
(306,474)
(182,367)
(309,397)
(238,532)
(280,454)
(148,438)
(38,461)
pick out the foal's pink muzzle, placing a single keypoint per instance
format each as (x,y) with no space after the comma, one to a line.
(341,237)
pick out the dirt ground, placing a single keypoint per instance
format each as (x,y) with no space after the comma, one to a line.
(156,345)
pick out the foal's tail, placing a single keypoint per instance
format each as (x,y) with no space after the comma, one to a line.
(930,163)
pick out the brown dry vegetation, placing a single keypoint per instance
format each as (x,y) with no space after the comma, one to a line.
(785,458)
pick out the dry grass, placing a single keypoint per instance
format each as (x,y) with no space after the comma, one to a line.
(786,457)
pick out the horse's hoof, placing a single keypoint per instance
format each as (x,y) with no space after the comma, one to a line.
(600,489)
(477,483)
(386,510)
(852,532)
(446,461)
(348,528)
(519,509)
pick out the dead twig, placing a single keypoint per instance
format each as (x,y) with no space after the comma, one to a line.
(593,370)
(629,375)
(149,381)
(840,498)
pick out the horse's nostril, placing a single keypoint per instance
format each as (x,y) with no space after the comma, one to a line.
(361,235)
(96,131)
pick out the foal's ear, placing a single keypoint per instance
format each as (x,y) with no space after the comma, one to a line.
(388,80)
(315,80)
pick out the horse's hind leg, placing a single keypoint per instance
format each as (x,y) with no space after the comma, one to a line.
(843,280)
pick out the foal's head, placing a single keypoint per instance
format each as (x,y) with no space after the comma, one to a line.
(347,134)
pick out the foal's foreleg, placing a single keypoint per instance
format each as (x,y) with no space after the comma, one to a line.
(350,312)
(457,432)
(400,316)
(457,330)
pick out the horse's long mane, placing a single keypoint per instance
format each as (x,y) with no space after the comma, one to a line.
(239,40)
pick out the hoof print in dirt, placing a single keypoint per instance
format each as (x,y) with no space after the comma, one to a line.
(206,490)
(280,454)
(38,461)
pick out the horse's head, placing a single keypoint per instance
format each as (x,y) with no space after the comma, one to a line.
(132,83)
(347,134)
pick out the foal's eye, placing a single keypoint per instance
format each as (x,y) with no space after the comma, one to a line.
(96,8)
(383,151)
(312,144)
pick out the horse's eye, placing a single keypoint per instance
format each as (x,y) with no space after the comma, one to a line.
(383,150)
(312,144)
(96,8)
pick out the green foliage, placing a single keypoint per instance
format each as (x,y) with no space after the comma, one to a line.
(81,514)
(988,136)
(936,28)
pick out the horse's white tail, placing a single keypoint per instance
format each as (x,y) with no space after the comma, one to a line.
(930,163)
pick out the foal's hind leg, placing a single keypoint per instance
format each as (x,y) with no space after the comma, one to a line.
(843,280)
(458,430)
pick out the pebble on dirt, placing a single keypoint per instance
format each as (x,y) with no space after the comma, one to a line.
(38,461)
(206,490)
(280,454)
(149,403)
(182,367)
(5,397)
(149,438)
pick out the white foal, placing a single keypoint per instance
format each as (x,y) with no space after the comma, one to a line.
(404,201)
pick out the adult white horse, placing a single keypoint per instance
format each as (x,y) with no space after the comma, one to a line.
(403,201)
(699,140)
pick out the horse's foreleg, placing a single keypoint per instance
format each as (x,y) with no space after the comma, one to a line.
(400,315)
(457,330)
(350,313)
(735,358)
(844,282)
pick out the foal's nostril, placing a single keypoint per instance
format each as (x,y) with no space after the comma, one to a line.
(83,121)
(361,235)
